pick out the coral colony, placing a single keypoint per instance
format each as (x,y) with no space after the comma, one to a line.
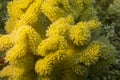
(54,40)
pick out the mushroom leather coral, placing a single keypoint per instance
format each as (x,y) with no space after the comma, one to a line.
(53,40)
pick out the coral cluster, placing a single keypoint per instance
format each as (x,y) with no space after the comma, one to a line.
(54,40)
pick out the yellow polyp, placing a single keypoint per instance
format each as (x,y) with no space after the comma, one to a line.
(57,9)
(52,12)
(28,36)
(16,52)
(46,66)
(94,24)
(97,50)
(10,24)
(59,29)
(6,71)
(19,73)
(32,17)
(52,44)
(17,8)
(68,19)
(80,34)
(6,42)
(14,11)
(31,37)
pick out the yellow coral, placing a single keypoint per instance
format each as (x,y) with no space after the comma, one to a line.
(17,8)
(14,11)
(71,48)
(6,71)
(51,62)
(69,19)
(95,27)
(61,26)
(19,73)
(91,54)
(10,24)
(16,52)
(52,43)
(52,9)
(33,39)
(6,42)
(31,17)
(80,34)
(96,50)
(94,24)
(59,29)
(26,36)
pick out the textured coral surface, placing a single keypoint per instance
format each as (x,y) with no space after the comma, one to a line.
(54,40)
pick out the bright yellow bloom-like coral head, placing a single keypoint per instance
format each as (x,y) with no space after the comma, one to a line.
(80,34)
